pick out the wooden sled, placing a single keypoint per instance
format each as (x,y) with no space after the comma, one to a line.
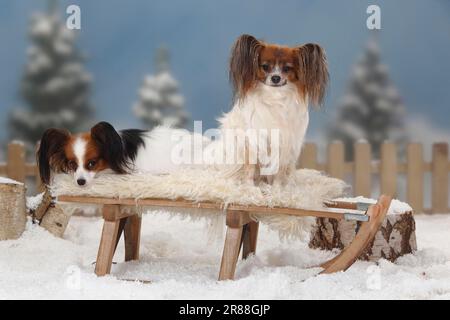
(242,230)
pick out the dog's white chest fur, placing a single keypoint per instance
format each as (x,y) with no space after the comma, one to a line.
(269,108)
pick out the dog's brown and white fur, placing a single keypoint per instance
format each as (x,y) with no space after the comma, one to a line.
(273,86)
(103,149)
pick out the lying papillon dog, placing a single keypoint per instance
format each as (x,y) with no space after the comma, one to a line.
(104,149)
(273,86)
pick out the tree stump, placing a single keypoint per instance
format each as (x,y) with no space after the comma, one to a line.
(395,238)
(13,213)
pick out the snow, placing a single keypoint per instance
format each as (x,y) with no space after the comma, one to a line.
(35,201)
(4,180)
(181,264)
(42,26)
(396,207)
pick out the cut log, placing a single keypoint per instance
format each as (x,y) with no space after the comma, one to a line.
(13,214)
(55,221)
(42,208)
(395,238)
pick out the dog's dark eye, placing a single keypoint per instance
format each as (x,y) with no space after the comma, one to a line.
(91,164)
(265,67)
(287,68)
(72,165)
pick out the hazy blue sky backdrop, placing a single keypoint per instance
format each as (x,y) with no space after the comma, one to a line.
(120,38)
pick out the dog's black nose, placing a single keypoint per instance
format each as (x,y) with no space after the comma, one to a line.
(276,79)
(81,182)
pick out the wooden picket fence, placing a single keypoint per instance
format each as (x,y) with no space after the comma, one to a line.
(16,167)
(361,171)
(388,170)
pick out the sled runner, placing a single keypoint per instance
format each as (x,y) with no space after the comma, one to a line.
(242,229)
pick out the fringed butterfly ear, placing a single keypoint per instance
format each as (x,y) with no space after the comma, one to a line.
(50,155)
(111,147)
(244,64)
(313,72)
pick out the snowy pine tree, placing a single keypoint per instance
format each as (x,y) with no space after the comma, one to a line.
(372,108)
(160,103)
(55,84)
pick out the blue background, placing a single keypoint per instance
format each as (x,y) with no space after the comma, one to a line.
(120,38)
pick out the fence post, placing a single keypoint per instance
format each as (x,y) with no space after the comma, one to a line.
(363,170)
(15,167)
(335,159)
(439,168)
(308,156)
(414,172)
(388,169)
(38,181)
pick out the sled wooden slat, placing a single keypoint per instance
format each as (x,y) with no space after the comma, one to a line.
(334,213)
(242,230)
(365,235)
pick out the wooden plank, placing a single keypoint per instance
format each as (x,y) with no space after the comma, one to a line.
(388,169)
(414,174)
(334,213)
(427,166)
(236,219)
(16,162)
(402,167)
(349,167)
(439,188)
(308,156)
(39,185)
(230,253)
(335,160)
(365,235)
(132,234)
(41,210)
(112,212)
(106,247)
(362,174)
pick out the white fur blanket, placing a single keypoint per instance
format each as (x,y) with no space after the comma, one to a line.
(305,188)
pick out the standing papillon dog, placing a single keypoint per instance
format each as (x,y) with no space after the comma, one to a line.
(273,86)
(104,149)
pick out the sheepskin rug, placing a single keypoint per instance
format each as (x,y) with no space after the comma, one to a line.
(305,188)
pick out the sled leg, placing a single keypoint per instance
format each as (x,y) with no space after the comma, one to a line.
(236,220)
(230,253)
(249,238)
(108,241)
(132,233)
(367,232)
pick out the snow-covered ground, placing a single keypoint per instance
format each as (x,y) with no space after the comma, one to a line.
(180,263)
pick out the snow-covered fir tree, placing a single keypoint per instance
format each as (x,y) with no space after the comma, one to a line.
(160,102)
(55,85)
(371,109)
